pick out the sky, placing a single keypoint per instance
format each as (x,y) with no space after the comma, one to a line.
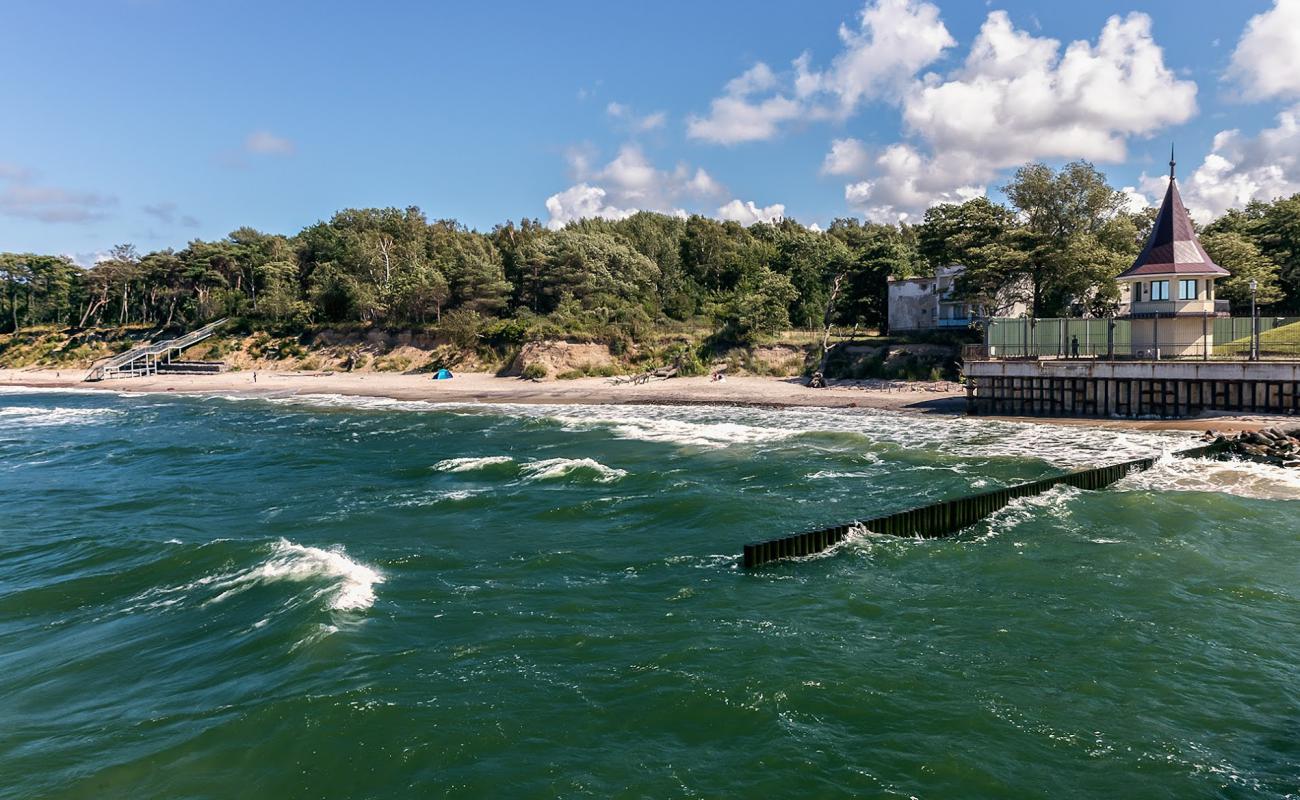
(155,122)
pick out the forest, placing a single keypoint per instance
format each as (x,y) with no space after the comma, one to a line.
(1057,243)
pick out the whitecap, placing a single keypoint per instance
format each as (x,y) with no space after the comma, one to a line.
(1241,478)
(352,583)
(551,468)
(38,417)
(470,464)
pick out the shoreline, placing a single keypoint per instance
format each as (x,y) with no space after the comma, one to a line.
(741,391)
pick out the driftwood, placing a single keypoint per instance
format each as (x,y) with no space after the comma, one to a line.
(663,373)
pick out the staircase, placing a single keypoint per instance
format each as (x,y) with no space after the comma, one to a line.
(147,359)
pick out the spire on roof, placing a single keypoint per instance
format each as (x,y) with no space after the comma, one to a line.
(1173,248)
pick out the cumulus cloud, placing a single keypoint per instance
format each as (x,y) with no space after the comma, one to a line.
(893,40)
(22,198)
(88,259)
(1018,98)
(904,183)
(740,116)
(627,184)
(1266,61)
(847,157)
(1242,168)
(265,143)
(747,213)
(637,123)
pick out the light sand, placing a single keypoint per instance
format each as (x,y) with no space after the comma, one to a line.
(941,398)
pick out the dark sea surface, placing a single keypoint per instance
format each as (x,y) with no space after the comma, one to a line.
(347,598)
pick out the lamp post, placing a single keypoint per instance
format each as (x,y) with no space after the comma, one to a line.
(1254,322)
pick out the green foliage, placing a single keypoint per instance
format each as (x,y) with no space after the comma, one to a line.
(758,307)
(535,371)
(626,282)
(1242,257)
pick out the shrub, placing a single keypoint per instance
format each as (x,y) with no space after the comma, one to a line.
(535,371)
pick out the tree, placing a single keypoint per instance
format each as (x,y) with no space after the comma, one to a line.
(983,237)
(1064,216)
(1241,257)
(758,307)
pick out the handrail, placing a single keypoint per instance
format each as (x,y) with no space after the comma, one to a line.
(154,348)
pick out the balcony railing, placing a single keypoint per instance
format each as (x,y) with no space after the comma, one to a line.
(1149,308)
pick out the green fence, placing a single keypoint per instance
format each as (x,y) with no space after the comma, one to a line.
(1021,337)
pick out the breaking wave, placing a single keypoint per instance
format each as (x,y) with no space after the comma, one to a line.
(551,468)
(1242,478)
(471,464)
(37,417)
(346,585)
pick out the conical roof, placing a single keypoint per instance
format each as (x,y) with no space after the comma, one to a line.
(1173,248)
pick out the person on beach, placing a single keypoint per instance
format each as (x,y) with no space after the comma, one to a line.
(254,376)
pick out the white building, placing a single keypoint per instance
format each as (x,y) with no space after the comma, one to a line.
(927,303)
(1170,287)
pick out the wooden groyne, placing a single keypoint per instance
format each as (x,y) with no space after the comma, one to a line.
(950,516)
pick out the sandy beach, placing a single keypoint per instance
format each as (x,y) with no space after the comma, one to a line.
(919,398)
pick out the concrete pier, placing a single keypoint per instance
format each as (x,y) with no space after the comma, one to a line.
(1165,389)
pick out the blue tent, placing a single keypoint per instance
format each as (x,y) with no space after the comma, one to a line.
(442,374)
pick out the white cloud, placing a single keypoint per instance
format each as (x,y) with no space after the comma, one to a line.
(738,116)
(1135,200)
(905,183)
(637,123)
(87,260)
(1017,98)
(268,144)
(26,200)
(581,201)
(1266,62)
(627,184)
(894,39)
(747,213)
(847,157)
(1240,168)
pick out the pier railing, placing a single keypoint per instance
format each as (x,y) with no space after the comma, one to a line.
(949,516)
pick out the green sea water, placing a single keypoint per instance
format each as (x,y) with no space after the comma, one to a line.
(345,598)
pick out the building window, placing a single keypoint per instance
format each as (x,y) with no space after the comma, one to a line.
(1137,291)
(1187,289)
(1159,290)
(1209,288)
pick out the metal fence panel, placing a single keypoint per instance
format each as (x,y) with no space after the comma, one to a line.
(1021,337)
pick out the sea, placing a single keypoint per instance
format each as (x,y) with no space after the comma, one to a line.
(340,597)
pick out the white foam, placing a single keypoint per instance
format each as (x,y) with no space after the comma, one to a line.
(551,468)
(1241,478)
(721,426)
(1055,502)
(470,464)
(349,585)
(38,417)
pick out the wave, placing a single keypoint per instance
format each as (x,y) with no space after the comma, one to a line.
(723,426)
(1055,502)
(1241,478)
(353,583)
(471,464)
(38,417)
(349,585)
(551,468)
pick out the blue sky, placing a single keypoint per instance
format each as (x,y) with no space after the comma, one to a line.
(157,121)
